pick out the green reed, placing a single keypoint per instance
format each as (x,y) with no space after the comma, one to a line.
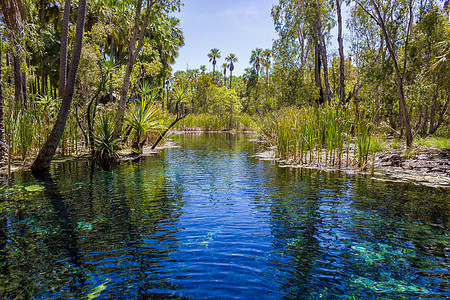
(317,136)
(363,126)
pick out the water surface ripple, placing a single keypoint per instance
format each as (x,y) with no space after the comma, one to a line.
(208,220)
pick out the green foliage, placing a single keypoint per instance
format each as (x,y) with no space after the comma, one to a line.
(435,141)
(142,118)
(395,143)
(409,153)
(106,146)
(378,143)
(318,135)
(213,122)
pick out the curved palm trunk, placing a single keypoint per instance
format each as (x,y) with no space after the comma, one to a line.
(42,161)
(214,70)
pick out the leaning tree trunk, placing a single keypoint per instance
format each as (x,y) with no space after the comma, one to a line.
(63,54)
(399,76)
(139,33)
(42,161)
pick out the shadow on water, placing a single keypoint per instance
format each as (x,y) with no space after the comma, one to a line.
(65,239)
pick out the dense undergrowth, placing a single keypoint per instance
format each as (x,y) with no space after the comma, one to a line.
(211,122)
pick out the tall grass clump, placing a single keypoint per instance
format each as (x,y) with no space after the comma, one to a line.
(21,129)
(362,126)
(318,136)
(435,141)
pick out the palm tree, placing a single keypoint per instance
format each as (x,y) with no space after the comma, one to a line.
(225,66)
(42,161)
(256,59)
(169,39)
(213,55)
(2,112)
(63,54)
(231,58)
(203,69)
(266,54)
(14,15)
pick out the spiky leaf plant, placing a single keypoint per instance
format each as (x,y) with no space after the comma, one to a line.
(106,146)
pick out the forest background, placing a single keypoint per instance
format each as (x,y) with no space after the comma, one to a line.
(95,76)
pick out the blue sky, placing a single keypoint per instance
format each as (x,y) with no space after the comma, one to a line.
(232,26)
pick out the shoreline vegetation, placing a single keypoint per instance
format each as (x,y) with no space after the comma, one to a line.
(421,165)
(92,92)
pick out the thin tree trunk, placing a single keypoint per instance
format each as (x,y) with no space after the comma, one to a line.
(441,116)
(341,55)
(323,52)
(317,79)
(399,76)
(301,41)
(14,15)
(231,72)
(425,119)
(2,113)
(42,19)
(433,109)
(64,44)
(42,161)
(179,118)
(23,81)
(139,32)
(110,74)
(18,91)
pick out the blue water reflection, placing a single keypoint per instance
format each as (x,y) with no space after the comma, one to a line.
(208,220)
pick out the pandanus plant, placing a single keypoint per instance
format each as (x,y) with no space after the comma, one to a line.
(105,145)
(143,119)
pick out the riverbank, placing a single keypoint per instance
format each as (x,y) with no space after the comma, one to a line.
(423,166)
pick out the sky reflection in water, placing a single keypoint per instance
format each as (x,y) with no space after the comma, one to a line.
(210,221)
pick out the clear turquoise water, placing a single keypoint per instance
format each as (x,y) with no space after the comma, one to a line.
(208,220)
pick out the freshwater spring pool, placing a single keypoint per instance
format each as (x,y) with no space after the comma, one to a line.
(208,220)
